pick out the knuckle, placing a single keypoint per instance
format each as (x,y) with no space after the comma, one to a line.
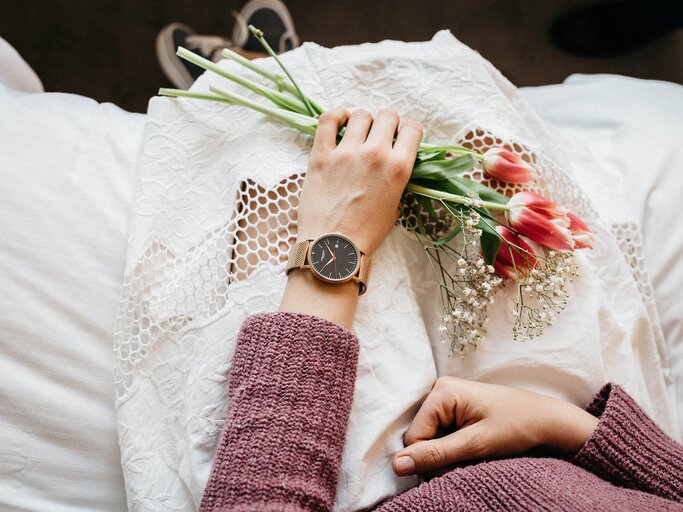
(434,456)
(388,112)
(476,445)
(329,116)
(361,114)
(443,382)
(335,115)
(315,163)
(375,155)
(343,157)
(401,165)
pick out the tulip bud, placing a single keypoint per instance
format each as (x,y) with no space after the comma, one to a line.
(516,255)
(504,165)
(541,220)
(583,237)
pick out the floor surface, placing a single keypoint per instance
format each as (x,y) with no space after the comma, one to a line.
(105,48)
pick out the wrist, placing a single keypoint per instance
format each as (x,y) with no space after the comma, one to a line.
(569,428)
(306,294)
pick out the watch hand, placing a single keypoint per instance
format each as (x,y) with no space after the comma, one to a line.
(330,261)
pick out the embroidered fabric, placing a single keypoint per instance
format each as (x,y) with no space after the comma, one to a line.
(215,217)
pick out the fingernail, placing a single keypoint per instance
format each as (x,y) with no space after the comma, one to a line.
(405,465)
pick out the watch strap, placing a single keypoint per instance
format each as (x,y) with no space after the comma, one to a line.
(298,256)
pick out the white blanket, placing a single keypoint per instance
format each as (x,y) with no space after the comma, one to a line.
(215,203)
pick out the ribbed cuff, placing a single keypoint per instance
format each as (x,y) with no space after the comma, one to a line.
(629,450)
(291,388)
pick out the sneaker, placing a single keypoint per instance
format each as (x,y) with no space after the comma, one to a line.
(180,72)
(272,18)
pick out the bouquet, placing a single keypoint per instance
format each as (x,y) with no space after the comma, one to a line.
(475,239)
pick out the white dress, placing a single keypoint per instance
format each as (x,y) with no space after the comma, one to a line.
(212,224)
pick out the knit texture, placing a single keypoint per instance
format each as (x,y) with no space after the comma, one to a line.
(290,393)
(629,450)
(291,387)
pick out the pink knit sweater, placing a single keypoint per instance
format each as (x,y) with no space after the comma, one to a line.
(291,387)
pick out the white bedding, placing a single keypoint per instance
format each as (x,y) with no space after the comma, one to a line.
(632,131)
(66,187)
(67,169)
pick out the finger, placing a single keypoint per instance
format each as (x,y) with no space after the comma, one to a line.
(329,124)
(384,128)
(436,411)
(408,140)
(427,456)
(357,128)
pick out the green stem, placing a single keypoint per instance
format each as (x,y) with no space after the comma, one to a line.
(453,198)
(280,81)
(428,148)
(180,93)
(279,99)
(259,36)
(301,122)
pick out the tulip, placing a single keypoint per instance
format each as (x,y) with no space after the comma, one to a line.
(540,220)
(516,255)
(504,165)
(583,237)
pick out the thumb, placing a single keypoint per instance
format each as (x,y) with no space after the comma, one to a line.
(426,456)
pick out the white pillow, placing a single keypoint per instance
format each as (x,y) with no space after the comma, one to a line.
(634,129)
(66,189)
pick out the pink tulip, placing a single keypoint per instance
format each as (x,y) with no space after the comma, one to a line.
(510,257)
(583,237)
(504,165)
(541,220)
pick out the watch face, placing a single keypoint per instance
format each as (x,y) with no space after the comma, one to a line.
(334,258)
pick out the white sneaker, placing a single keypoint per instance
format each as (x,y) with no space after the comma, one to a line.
(270,16)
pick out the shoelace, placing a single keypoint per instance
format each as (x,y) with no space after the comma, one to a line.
(207,45)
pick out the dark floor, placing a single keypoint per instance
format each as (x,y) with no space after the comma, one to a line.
(105,48)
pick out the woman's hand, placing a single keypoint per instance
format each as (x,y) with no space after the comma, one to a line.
(352,188)
(487,421)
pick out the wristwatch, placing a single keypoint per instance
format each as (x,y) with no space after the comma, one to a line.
(332,258)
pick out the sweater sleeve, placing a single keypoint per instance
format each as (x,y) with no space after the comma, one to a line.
(629,450)
(290,393)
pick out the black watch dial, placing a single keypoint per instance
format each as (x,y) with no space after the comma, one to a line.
(334,257)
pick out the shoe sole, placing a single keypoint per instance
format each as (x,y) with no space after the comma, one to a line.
(240,36)
(168,60)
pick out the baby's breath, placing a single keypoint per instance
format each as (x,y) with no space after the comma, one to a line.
(468,285)
(542,294)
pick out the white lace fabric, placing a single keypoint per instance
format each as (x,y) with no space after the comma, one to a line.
(215,217)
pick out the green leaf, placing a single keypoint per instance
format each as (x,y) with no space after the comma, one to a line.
(426,204)
(490,241)
(443,169)
(485,193)
(434,155)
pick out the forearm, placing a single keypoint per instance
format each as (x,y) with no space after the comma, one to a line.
(628,449)
(308,295)
(291,388)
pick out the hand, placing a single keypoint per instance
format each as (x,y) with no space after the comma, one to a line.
(487,421)
(354,188)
